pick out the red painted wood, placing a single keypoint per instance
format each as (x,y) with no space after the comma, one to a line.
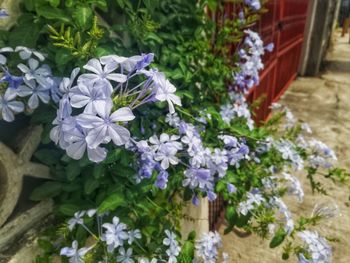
(283,25)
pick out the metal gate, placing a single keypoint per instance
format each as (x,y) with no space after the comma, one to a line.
(283,25)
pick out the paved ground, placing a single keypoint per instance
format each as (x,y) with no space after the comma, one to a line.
(323,102)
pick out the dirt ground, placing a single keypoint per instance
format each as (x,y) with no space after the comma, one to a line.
(323,102)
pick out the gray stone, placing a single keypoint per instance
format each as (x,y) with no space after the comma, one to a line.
(14,166)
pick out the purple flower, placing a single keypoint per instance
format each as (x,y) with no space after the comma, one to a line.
(211,196)
(198,178)
(146,60)
(104,128)
(13,81)
(162,179)
(231,188)
(195,200)
(8,106)
(35,92)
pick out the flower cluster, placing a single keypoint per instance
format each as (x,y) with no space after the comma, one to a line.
(105,100)
(321,155)
(203,166)
(317,247)
(207,248)
(250,55)
(289,153)
(31,80)
(117,240)
(238,108)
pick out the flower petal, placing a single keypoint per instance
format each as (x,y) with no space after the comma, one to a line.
(122,114)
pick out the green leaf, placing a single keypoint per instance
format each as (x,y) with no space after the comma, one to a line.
(187,252)
(113,156)
(73,170)
(231,214)
(91,184)
(83,17)
(111,203)
(68,209)
(99,170)
(52,13)
(46,245)
(46,190)
(54,3)
(25,34)
(62,57)
(278,238)
(48,156)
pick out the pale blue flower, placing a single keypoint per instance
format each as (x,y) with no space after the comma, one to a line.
(3,13)
(166,92)
(76,220)
(231,188)
(74,254)
(254,4)
(174,249)
(200,178)
(207,247)
(8,106)
(125,256)
(77,146)
(35,92)
(317,246)
(34,72)
(3,59)
(104,128)
(115,234)
(65,88)
(166,155)
(133,234)
(26,53)
(89,96)
(173,119)
(102,74)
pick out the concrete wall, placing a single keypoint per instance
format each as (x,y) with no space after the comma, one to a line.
(322,15)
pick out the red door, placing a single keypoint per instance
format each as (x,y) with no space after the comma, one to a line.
(283,25)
